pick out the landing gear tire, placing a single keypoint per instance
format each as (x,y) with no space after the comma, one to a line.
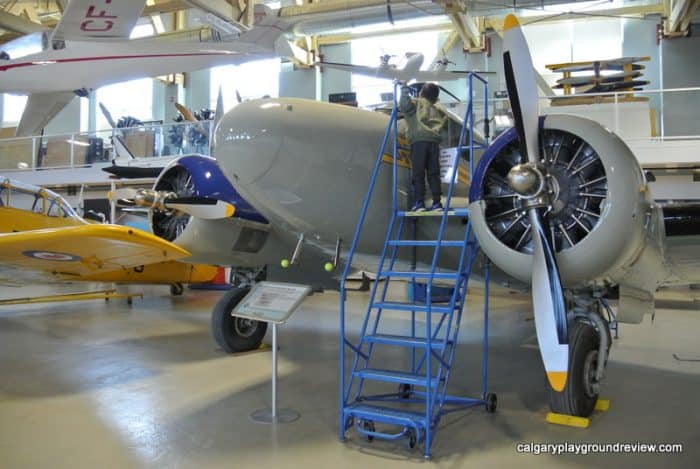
(491,402)
(405,390)
(368,425)
(412,438)
(581,391)
(234,334)
(176,289)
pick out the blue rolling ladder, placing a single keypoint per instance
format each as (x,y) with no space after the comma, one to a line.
(420,397)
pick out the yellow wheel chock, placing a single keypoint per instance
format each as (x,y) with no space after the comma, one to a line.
(573,421)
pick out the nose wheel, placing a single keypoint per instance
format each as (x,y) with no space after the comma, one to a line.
(234,334)
(581,391)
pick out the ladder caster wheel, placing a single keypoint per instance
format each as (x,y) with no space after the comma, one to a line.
(405,390)
(368,425)
(491,402)
(412,439)
(348,423)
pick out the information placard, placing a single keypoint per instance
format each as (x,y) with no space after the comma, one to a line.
(271,301)
(448,162)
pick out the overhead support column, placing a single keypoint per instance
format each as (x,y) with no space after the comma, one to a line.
(249,12)
(678,14)
(470,28)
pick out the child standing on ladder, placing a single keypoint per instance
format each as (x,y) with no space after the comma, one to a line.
(424,122)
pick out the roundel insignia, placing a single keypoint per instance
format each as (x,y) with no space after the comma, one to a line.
(51,256)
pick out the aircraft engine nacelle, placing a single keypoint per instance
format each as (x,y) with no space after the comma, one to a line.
(601,216)
(217,241)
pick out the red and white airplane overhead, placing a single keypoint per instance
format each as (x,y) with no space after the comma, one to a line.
(90,48)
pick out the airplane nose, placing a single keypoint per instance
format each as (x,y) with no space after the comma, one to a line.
(248,140)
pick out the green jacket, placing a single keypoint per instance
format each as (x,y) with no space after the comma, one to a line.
(423,120)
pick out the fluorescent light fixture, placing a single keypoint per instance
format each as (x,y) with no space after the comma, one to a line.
(77,142)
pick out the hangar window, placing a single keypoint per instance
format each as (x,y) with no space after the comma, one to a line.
(570,41)
(12,109)
(252,80)
(142,30)
(131,98)
(369,50)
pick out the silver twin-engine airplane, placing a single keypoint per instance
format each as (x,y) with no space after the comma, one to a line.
(559,202)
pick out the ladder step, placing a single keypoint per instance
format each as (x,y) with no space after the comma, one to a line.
(385,414)
(391,376)
(409,274)
(412,307)
(404,341)
(407,242)
(455,212)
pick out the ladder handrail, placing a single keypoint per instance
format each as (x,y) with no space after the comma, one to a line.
(351,253)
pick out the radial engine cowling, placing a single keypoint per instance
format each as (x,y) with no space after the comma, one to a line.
(601,210)
(215,241)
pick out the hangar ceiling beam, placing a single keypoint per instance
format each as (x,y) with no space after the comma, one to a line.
(636,11)
(329,39)
(18,24)
(678,14)
(470,28)
(166,6)
(328,6)
(450,41)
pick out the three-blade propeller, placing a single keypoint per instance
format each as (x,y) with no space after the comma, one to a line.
(199,207)
(529,181)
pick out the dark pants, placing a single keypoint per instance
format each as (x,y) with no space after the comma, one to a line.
(425,156)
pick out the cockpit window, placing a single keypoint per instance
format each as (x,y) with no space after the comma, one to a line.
(23,200)
(38,205)
(39,201)
(54,209)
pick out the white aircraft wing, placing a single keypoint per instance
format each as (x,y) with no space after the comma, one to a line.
(377,72)
(399,74)
(98,19)
(40,109)
(442,75)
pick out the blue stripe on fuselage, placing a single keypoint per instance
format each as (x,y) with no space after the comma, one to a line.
(211,182)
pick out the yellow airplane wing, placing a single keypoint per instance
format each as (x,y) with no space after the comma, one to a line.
(76,251)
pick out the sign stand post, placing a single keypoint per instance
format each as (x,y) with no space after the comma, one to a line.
(274,303)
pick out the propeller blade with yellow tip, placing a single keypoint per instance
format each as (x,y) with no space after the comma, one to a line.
(201,207)
(547,293)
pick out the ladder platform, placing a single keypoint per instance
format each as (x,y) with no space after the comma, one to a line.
(385,414)
(391,376)
(412,307)
(425,275)
(405,341)
(421,243)
(455,212)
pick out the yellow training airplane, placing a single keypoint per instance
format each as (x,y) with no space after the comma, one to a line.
(43,239)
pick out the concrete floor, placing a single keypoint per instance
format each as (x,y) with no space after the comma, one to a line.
(91,384)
